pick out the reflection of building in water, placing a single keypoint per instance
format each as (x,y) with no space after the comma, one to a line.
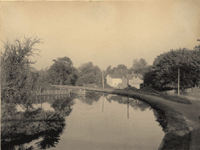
(110,95)
(130,99)
(45,106)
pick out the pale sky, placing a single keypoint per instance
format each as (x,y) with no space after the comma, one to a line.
(106,33)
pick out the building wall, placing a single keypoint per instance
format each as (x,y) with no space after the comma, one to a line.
(124,82)
(136,85)
(109,80)
(116,81)
(135,82)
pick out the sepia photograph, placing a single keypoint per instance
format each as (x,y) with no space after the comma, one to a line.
(100,75)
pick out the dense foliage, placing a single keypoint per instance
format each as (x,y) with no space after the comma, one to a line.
(89,74)
(121,69)
(62,72)
(164,72)
(139,66)
(17,78)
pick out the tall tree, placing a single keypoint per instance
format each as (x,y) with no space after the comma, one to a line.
(62,71)
(167,64)
(139,66)
(121,68)
(89,74)
(17,80)
(108,70)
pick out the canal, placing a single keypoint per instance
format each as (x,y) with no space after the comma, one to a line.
(95,121)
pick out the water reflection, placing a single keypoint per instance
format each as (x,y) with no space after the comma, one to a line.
(98,121)
(104,125)
(90,97)
(127,107)
(135,104)
(20,128)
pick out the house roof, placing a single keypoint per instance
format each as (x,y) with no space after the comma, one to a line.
(140,76)
(130,76)
(116,75)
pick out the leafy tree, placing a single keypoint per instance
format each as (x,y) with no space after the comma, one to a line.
(197,48)
(89,74)
(62,71)
(43,75)
(139,66)
(166,68)
(17,80)
(86,68)
(121,66)
(149,76)
(108,70)
(121,69)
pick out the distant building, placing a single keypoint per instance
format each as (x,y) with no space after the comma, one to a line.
(122,81)
(132,80)
(114,79)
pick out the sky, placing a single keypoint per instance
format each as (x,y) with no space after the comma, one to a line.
(103,32)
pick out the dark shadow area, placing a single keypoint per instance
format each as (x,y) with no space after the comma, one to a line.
(20,128)
(172,140)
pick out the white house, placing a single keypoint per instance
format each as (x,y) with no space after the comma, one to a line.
(133,80)
(114,80)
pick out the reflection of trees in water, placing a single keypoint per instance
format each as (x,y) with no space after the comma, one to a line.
(90,97)
(136,104)
(139,105)
(161,119)
(18,133)
(63,106)
(171,139)
(25,127)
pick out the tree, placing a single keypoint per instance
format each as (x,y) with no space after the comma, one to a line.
(139,66)
(167,64)
(121,69)
(89,74)
(108,70)
(197,48)
(62,71)
(121,66)
(17,80)
(86,68)
(149,76)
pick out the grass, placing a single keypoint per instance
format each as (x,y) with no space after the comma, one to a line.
(151,91)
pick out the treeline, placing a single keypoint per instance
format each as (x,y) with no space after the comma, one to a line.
(164,71)
(62,72)
(19,79)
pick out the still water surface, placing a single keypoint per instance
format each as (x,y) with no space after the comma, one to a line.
(107,122)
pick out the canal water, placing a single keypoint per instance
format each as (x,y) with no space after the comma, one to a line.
(100,122)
